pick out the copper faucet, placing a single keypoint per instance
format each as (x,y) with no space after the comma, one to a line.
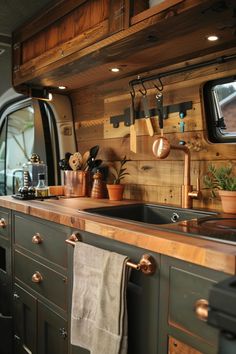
(161,149)
(188,194)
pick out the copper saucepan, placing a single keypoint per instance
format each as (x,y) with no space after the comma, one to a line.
(161,146)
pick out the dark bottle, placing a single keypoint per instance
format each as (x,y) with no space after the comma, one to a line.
(41,190)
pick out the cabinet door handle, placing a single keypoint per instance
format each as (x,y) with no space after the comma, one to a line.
(37,239)
(3,223)
(201,307)
(16,296)
(37,277)
(63,333)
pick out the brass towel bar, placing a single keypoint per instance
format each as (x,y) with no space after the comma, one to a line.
(146,264)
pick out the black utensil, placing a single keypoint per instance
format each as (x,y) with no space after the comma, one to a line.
(94,151)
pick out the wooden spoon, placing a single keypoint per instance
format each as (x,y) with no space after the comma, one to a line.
(85,158)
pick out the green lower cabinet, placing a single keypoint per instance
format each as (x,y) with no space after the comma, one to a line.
(161,307)
(5,282)
(37,328)
(25,321)
(52,332)
(182,285)
(5,278)
(142,297)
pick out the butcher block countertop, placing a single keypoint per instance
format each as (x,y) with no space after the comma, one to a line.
(178,240)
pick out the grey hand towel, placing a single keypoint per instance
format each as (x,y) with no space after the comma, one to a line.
(99,314)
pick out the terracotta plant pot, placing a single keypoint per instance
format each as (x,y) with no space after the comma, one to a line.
(228,200)
(115,191)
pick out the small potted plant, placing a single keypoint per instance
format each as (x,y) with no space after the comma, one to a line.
(116,189)
(222,179)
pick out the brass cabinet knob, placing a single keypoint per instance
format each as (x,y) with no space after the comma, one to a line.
(201,309)
(37,239)
(3,223)
(37,277)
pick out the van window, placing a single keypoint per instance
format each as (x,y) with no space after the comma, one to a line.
(220,109)
(26,127)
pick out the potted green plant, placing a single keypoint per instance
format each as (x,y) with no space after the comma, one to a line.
(221,179)
(116,189)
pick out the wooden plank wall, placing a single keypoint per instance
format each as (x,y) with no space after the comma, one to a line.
(151,179)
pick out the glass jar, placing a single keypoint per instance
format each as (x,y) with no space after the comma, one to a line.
(32,169)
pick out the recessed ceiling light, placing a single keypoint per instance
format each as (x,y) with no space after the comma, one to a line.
(212,38)
(62,87)
(115,70)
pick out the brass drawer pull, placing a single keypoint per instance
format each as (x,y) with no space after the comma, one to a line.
(37,239)
(3,223)
(37,277)
(201,309)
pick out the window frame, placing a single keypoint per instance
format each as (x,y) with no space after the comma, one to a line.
(44,121)
(213,123)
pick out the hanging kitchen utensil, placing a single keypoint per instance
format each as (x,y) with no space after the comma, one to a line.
(147,113)
(75,161)
(159,98)
(133,136)
(161,146)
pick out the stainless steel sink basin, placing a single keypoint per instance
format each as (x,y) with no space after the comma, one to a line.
(149,213)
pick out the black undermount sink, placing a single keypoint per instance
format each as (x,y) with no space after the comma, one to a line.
(149,213)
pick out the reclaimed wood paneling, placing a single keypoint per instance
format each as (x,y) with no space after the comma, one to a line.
(151,179)
(116,15)
(86,16)
(140,15)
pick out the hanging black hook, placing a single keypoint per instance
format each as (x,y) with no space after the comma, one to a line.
(145,90)
(159,88)
(132,92)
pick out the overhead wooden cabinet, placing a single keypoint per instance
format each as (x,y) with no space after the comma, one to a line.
(60,32)
(75,43)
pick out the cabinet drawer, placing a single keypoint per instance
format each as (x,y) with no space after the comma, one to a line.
(5,224)
(51,285)
(185,290)
(43,238)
